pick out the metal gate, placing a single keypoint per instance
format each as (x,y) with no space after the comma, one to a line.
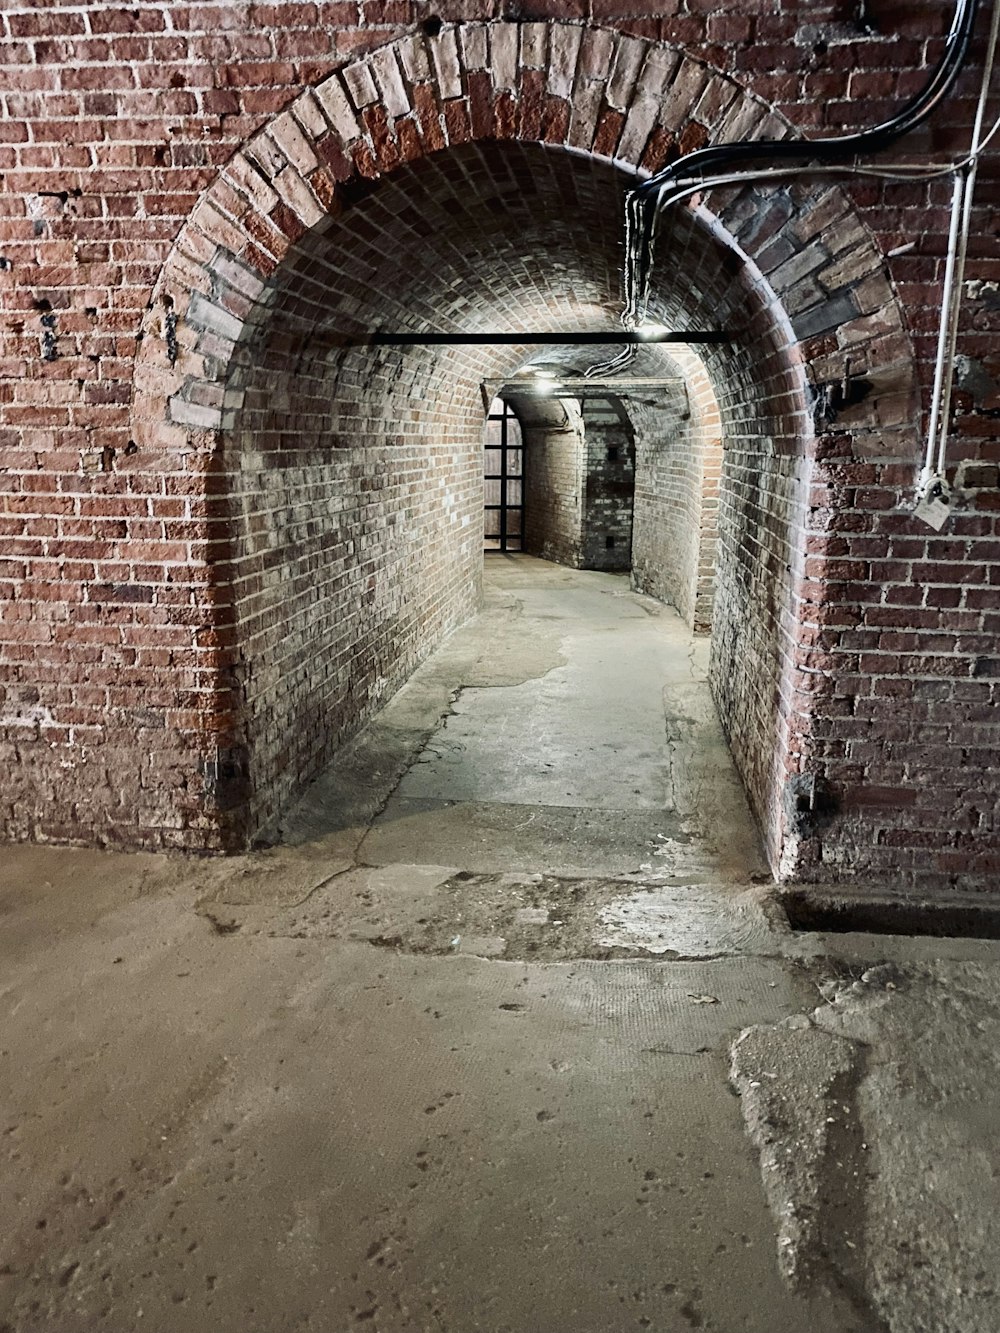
(503,479)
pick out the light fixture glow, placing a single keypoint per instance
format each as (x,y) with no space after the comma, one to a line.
(650,329)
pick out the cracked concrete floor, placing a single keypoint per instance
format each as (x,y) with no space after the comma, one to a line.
(459,1052)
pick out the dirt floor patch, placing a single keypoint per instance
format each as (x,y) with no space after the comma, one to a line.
(436,910)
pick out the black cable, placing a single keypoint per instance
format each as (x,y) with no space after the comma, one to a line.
(841,146)
(644,203)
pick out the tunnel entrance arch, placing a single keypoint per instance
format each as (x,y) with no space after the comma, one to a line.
(522,137)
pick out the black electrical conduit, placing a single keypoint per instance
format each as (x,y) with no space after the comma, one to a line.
(682,177)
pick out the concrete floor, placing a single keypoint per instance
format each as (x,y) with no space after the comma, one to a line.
(460,1051)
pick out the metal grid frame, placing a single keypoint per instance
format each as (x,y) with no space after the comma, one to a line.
(506,539)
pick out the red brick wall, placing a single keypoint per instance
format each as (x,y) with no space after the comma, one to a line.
(609,492)
(554,478)
(863,655)
(678,458)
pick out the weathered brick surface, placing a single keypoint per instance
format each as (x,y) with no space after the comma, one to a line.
(678,459)
(579,478)
(555,478)
(609,491)
(191,192)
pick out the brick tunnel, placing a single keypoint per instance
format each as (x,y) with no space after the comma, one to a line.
(278,528)
(353,476)
(432,905)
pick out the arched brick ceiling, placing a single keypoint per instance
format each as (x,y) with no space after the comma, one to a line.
(455,240)
(497,236)
(432,183)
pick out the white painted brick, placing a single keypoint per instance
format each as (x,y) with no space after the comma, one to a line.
(183,413)
(586,108)
(360,84)
(625,71)
(266,153)
(503,54)
(741,121)
(338,109)
(298,196)
(308,113)
(533,45)
(657,71)
(238,276)
(773,127)
(245,178)
(640,121)
(715,101)
(414,59)
(390,82)
(596,52)
(287,134)
(203,314)
(474,46)
(444,53)
(685,90)
(564,49)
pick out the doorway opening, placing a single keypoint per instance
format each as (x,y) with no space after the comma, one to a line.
(351,538)
(503,480)
(618,473)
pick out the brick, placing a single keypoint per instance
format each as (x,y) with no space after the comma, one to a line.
(296,194)
(565,49)
(414,59)
(503,40)
(638,126)
(629,56)
(534,45)
(845,635)
(475,47)
(390,82)
(286,133)
(360,84)
(337,108)
(609,127)
(447,67)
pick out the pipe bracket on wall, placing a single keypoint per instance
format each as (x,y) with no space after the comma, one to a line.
(933,505)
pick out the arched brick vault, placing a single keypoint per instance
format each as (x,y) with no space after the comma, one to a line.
(472,181)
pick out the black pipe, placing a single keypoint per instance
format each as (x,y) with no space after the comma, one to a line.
(841,146)
(646,200)
(560,339)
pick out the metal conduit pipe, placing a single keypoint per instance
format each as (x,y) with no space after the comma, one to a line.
(667,186)
(933,495)
(838,156)
(872,140)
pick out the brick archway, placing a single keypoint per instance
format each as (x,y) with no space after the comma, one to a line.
(811,314)
(587,89)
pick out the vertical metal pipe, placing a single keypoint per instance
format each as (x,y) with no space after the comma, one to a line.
(952,310)
(947,290)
